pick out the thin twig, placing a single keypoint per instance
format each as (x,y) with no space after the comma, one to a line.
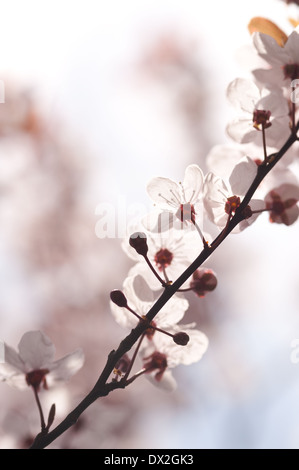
(102,388)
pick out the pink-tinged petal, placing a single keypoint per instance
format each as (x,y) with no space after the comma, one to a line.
(66,367)
(36,350)
(222,158)
(143,270)
(274,101)
(268,49)
(167,382)
(192,184)
(17,380)
(255,205)
(13,360)
(195,349)
(141,296)
(291,215)
(186,355)
(164,192)
(247,54)
(159,222)
(12,371)
(123,317)
(288,196)
(172,312)
(273,76)
(138,287)
(242,176)
(292,47)
(242,131)
(215,191)
(278,133)
(288,191)
(243,94)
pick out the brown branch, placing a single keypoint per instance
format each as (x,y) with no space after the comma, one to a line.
(102,388)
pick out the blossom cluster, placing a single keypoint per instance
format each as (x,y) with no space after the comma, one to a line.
(169,238)
(186,217)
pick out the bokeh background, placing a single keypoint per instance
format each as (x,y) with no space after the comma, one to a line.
(99,98)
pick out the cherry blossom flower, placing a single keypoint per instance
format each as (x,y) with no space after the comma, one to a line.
(33,365)
(282,205)
(222,201)
(224,160)
(284,61)
(265,109)
(163,354)
(140,298)
(178,201)
(170,254)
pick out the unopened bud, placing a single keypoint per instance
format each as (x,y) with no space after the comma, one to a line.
(203,281)
(118,298)
(181,338)
(139,243)
(247,212)
(51,416)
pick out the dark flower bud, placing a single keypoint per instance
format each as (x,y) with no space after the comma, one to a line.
(138,242)
(51,416)
(247,212)
(118,298)
(203,281)
(181,338)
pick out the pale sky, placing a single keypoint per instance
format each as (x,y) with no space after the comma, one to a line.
(75,54)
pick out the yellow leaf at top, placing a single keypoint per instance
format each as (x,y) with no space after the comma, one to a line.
(293,22)
(262,25)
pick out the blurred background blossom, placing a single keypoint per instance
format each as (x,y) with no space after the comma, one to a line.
(99,98)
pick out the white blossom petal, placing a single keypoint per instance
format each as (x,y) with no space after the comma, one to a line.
(292,46)
(222,158)
(172,312)
(243,94)
(255,205)
(167,382)
(17,380)
(273,100)
(36,350)
(242,176)
(268,48)
(164,192)
(215,196)
(159,222)
(272,76)
(242,131)
(65,367)
(186,355)
(193,182)
(12,360)
(292,215)
(139,288)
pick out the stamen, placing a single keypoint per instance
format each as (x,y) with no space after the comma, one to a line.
(193,192)
(183,190)
(176,199)
(165,199)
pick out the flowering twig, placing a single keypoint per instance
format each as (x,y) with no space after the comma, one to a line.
(103,387)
